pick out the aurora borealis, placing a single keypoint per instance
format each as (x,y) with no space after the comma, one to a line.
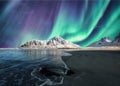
(80,21)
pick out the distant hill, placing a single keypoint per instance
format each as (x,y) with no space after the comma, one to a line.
(106,41)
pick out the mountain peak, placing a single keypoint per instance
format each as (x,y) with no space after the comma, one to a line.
(55,42)
(106,41)
(57,38)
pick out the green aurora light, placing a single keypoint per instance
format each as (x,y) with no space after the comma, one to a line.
(82,28)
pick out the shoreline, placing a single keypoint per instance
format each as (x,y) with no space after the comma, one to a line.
(112,48)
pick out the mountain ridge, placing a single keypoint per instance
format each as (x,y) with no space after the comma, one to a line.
(55,42)
(106,41)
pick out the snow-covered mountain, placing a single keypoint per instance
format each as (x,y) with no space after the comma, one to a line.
(103,42)
(56,42)
(107,42)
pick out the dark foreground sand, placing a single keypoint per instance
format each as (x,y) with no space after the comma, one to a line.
(93,68)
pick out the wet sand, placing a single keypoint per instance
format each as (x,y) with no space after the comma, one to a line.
(93,68)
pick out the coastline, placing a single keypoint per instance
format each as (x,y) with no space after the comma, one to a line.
(113,48)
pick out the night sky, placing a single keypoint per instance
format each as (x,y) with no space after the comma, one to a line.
(79,21)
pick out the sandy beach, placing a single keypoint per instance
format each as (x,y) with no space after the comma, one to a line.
(93,68)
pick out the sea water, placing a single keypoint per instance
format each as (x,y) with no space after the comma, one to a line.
(32,67)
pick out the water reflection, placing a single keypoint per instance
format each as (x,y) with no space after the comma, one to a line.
(39,53)
(52,69)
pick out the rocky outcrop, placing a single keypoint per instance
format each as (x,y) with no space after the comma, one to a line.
(56,42)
